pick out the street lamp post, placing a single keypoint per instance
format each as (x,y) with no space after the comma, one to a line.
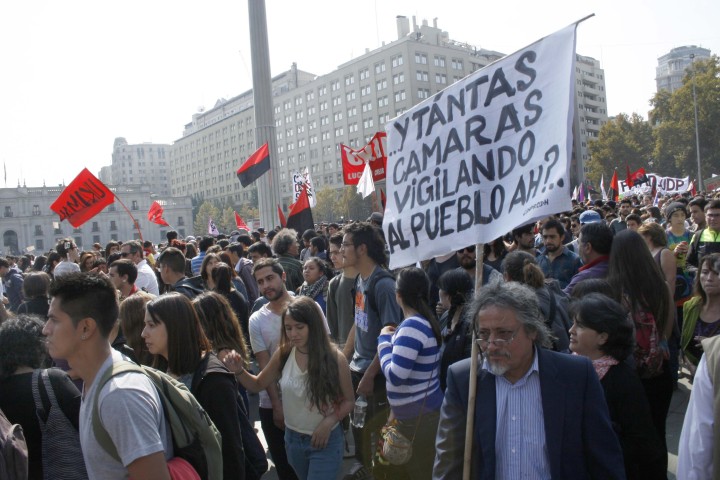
(697,133)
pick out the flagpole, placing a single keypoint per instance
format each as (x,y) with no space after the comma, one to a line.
(472,388)
(137,224)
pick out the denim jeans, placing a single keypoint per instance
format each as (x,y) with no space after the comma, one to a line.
(313,463)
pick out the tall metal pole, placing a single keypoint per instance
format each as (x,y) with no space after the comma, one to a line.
(697,133)
(267,185)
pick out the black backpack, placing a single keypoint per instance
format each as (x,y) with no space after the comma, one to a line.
(370,288)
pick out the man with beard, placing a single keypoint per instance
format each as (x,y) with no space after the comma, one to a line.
(265,331)
(534,408)
(557,262)
(467,259)
(524,239)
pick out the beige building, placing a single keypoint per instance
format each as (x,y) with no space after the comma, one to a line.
(140,164)
(28,224)
(591,112)
(315,114)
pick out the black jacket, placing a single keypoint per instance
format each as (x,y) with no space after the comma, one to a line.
(215,388)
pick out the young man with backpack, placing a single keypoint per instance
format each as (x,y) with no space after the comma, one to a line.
(375,307)
(83,311)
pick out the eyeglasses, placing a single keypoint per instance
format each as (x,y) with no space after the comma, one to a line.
(470,249)
(346,245)
(503,338)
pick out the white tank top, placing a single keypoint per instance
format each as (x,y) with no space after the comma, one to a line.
(300,415)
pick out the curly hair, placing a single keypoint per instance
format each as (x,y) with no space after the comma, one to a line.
(284,240)
(323,386)
(22,344)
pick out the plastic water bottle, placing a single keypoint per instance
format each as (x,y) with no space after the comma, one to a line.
(359,412)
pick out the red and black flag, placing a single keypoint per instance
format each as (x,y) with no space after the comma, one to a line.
(281,216)
(300,216)
(255,166)
(614,192)
(636,178)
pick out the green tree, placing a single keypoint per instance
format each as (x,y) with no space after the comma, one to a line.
(674,117)
(206,211)
(326,205)
(352,206)
(228,220)
(623,140)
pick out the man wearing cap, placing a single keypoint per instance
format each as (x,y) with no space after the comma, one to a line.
(594,248)
(376,219)
(619,224)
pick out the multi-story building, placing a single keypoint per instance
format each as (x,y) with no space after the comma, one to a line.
(315,114)
(141,164)
(591,112)
(671,67)
(28,223)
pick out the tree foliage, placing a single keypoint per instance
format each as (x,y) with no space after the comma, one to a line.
(674,117)
(206,211)
(622,140)
(668,140)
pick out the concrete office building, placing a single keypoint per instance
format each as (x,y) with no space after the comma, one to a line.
(672,66)
(315,114)
(28,223)
(591,112)
(141,164)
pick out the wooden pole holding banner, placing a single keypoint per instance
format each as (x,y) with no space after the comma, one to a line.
(472,389)
(135,222)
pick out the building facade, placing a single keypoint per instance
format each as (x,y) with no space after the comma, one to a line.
(28,224)
(315,114)
(671,67)
(141,164)
(591,112)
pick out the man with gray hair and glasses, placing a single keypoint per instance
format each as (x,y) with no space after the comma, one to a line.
(538,414)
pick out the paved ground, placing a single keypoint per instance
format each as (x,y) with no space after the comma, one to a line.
(674,426)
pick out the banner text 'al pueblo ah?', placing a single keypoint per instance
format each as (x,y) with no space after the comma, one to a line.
(487,154)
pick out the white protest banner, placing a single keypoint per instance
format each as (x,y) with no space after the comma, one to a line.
(664,186)
(487,154)
(712,184)
(298,180)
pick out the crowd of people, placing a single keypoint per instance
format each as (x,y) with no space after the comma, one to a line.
(583,321)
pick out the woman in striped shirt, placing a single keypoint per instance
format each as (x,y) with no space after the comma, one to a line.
(410,360)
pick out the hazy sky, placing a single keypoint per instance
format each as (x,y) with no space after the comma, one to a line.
(77,74)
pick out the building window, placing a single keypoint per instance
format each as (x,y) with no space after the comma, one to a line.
(441,78)
(398,79)
(397,61)
(39,244)
(95,227)
(134,205)
(399,96)
(379,67)
(181,221)
(96,238)
(38,230)
(423,93)
(421,58)
(8,211)
(381,85)
(421,76)
(439,61)
(113,225)
(36,210)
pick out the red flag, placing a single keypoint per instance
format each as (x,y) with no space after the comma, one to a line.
(383,199)
(281,216)
(614,192)
(353,161)
(155,214)
(240,222)
(693,190)
(255,166)
(85,197)
(300,215)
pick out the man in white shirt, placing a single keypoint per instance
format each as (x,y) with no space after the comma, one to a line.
(83,311)
(146,278)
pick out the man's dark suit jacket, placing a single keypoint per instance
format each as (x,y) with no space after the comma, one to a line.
(581,443)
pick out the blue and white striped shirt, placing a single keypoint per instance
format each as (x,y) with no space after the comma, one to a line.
(410,361)
(520,444)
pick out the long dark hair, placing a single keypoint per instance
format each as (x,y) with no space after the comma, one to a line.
(220,323)
(413,287)
(458,285)
(323,385)
(636,277)
(185,336)
(132,322)
(222,276)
